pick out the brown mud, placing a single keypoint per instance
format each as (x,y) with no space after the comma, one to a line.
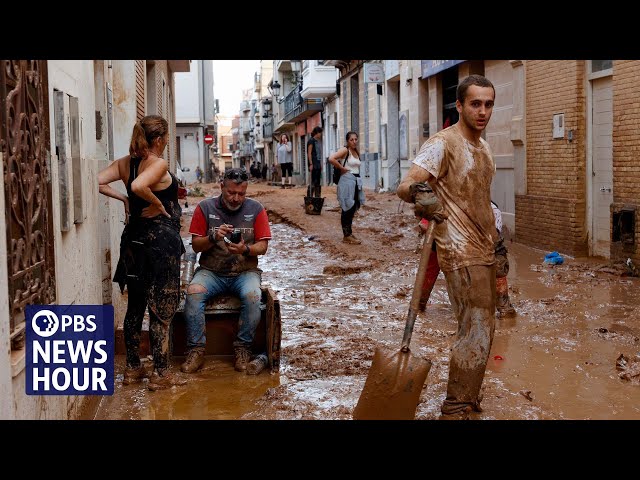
(558,358)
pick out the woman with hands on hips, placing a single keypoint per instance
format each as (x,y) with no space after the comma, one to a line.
(150,247)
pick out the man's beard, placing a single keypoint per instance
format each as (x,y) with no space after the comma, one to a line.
(228,207)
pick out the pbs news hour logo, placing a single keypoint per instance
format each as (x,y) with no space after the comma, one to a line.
(70,349)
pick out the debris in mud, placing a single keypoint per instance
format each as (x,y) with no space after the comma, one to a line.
(391,239)
(630,368)
(631,268)
(338,270)
(621,362)
(526,394)
(603,330)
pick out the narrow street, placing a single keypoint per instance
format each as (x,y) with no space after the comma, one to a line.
(559,358)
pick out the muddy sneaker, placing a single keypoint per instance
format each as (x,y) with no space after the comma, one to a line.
(352,240)
(165,380)
(134,375)
(257,365)
(194,361)
(243,356)
(461,415)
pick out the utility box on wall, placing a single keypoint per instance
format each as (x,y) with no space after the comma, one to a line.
(558,125)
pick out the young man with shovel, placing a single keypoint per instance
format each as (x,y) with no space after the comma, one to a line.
(451,178)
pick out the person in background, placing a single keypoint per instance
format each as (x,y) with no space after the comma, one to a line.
(313,158)
(350,192)
(503,303)
(504,308)
(150,247)
(285,159)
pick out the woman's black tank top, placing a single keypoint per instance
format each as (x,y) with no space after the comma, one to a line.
(168,197)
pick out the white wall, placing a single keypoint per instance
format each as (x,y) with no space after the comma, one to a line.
(191,150)
(6,393)
(77,259)
(208,89)
(124,117)
(187,94)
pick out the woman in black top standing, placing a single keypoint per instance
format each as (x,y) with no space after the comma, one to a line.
(150,247)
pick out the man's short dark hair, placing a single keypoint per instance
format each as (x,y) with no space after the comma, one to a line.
(316,130)
(237,175)
(477,80)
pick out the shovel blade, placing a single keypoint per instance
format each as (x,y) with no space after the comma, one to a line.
(393,386)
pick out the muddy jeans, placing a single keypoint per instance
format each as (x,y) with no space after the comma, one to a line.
(246,286)
(152,275)
(472,294)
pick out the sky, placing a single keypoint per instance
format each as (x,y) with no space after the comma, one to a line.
(230,77)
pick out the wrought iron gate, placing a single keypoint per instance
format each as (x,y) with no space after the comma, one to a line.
(24,143)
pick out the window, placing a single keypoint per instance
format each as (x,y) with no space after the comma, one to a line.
(599,65)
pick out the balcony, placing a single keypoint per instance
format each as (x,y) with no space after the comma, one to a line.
(297,108)
(245,106)
(245,126)
(319,81)
(337,63)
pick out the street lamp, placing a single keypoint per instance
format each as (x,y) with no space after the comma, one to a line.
(266,106)
(274,89)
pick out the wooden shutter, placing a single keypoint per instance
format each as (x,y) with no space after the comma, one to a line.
(140,90)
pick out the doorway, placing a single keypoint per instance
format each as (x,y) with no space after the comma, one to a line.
(601,127)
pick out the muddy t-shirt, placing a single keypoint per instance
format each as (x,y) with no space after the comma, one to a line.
(252,220)
(463,175)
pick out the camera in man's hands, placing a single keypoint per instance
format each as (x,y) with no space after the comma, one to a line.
(236,236)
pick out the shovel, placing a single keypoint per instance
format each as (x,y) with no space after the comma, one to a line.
(396,377)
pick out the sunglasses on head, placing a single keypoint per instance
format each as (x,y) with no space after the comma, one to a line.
(236,174)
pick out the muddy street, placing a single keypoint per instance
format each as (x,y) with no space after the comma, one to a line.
(572,351)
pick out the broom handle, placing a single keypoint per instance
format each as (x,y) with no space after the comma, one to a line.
(417,288)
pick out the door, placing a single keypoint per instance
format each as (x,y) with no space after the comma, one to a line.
(25,149)
(602,170)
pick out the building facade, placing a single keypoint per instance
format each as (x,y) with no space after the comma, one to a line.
(61,238)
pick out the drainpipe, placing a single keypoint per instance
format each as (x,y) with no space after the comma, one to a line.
(366,129)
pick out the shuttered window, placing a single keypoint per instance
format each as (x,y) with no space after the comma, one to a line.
(140,90)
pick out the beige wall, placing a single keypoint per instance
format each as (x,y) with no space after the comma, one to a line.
(626,144)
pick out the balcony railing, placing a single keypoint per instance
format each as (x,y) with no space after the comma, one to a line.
(292,101)
(296,108)
(267,130)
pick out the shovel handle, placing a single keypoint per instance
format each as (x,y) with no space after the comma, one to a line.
(417,288)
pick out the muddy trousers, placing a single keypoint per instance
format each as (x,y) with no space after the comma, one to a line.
(153,281)
(472,294)
(346,218)
(316,178)
(158,328)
